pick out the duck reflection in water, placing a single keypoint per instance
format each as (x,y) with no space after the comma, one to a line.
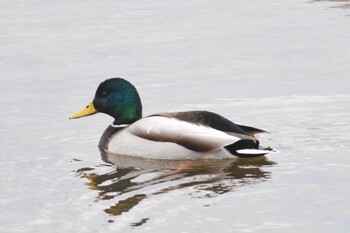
(127,182)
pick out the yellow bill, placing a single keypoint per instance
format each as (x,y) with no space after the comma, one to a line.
(87,111)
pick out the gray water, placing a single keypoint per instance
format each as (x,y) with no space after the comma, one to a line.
(282,66)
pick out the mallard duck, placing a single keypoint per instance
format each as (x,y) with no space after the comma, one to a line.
(168,135)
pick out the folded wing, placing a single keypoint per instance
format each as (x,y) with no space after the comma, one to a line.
(193,136)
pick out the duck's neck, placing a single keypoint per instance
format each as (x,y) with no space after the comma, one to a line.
(129,114)
(126,119)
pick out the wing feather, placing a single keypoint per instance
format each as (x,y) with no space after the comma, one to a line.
(189,135)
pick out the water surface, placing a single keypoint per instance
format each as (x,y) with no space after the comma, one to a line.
(282,66)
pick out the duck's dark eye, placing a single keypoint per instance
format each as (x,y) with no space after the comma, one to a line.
(104,93)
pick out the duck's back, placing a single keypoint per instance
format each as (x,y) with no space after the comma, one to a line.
(213,120)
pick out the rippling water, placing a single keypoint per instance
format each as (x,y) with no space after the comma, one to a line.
(137,179)
(282,66)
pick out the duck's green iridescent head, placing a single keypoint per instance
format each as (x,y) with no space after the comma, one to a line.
(117,98)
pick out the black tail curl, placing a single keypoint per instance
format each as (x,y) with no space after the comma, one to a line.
(245,144)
